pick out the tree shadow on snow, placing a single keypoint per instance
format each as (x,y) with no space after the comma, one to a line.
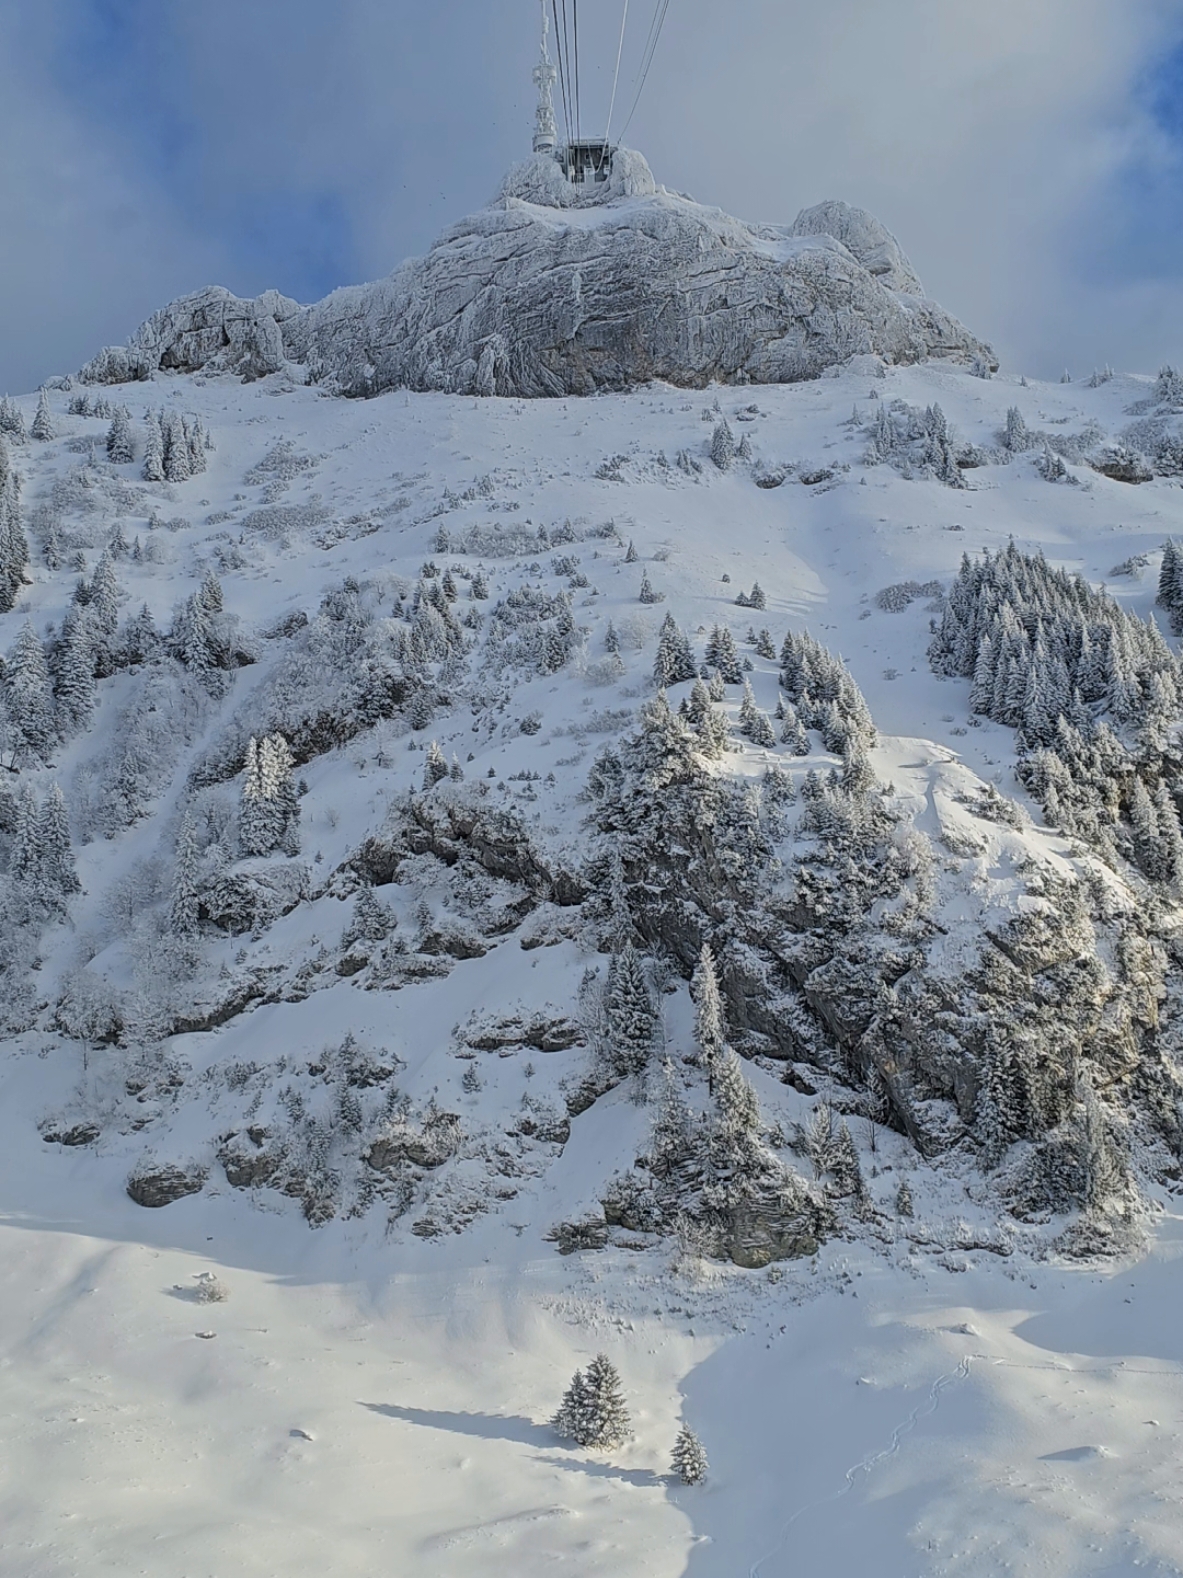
(643,1477)
(487,1427)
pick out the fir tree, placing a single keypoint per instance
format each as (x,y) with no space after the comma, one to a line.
(903,1200)
(721,654)
(211,593)
(141,639)
(689,1459)
(12,420)
(709,1029)
(479,590)
(43,428)
(764,646)
(120,446)
(29,697)
(723,446)
(74,676)
(436,766)
(153,449)
(593,1411)
(14,545)
(629,1013)
(632,555)
(183,909)
(56,877)
(176,449)
(674,662)
(647,594)
(611,639)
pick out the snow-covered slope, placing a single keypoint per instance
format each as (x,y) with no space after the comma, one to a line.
(375,1076)
(549,293)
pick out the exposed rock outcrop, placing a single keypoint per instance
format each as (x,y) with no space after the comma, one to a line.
(556,291)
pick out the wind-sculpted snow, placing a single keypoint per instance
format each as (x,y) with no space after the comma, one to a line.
(535,297)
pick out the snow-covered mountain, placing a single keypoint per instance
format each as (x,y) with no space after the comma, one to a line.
(555,289)
(692,874)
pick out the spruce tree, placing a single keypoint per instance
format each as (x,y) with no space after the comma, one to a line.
(183,907)
(709,1029)
(435,769)
(631,1020)
(57,878)
(647,594)
(604,1419)
(153,449)
(120,446)
(29,697)
(176,449)
(689,1459)
(723,446)
(569,1420)
(74,677)
(43,428)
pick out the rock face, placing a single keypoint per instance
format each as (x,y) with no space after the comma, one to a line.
(154,1187)
(551,291)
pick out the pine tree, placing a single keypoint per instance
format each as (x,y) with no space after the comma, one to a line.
(631,1020)
(689,1459)
(14,545)
(569,1420)
(764,646)
(183,908)
(211,593)
(57,877)
(24,857)
(903,1199)
(141,639)
(647,594)
(602,1419)
(43,428)
(723,446)
(756,597)
(674,662)
(176,449)
(30,699)
(196,447)
(632,555)
(120,446)
(611,639)
(74,678)
(735,1100)
(12,420)
(721,654)
(709,1028)
(479,590)
(436,766)
(270,812)
(153,449)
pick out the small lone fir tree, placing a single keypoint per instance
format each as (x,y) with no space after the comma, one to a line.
(593,1412)
(689,1459)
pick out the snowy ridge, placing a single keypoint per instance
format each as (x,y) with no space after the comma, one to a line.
(548,293)
(374,1035)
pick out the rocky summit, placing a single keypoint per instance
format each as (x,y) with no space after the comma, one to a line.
(556,290)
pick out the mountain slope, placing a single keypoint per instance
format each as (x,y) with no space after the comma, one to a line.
(473,1053)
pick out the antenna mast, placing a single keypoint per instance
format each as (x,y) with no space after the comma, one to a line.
(546,133)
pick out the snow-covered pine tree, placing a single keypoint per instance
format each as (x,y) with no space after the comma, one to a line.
(270,810)
(631,556)
(211,593)
(674,663)
(629,1014)
(12,420)
(479,589)
(735,1101)
(30,698)
(183,905)
(435,768)
(140,640)
(689,1459)
(710,1031)
(764,646)
(153,448)
(120,445)
(74,676)
(647,594)
(603,1420)
(195,440)
(722,654)
(24,855)
(570,1416)
(57,877)
(14,545)
(723,445)
(1018,438)
(176,449)
(756,597)
(43,428)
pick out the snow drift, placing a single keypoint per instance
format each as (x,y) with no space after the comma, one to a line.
(552,291)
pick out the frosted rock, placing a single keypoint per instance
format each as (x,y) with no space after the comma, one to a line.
(559,290)
(867,241)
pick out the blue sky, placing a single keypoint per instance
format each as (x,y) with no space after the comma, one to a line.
(1028,154)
